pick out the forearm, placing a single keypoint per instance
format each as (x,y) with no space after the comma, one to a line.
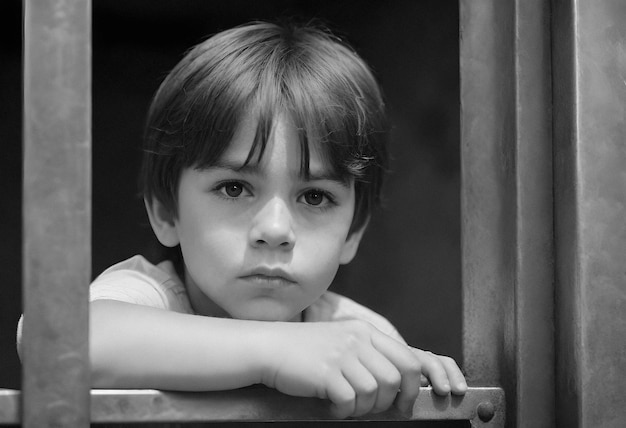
(133,346)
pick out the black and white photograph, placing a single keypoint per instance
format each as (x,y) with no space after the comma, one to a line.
(313,213)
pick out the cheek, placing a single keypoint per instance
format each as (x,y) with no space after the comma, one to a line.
(319,254)
(209,245)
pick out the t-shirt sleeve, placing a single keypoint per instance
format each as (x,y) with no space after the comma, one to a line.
(140,282)
(334,307)
(128,286)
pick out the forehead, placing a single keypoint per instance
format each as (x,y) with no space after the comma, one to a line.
(282,145)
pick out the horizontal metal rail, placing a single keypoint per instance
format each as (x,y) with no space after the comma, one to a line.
(483,406)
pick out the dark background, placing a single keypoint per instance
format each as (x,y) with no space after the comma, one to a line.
(408,267)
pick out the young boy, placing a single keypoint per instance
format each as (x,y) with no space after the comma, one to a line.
(264,155)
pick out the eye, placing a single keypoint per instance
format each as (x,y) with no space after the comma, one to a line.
(316,197)
(231,189)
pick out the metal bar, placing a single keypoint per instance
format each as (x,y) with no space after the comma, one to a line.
(482,406)
(589,66)
(532,345)
(57,212)
(487,182)
(506,198)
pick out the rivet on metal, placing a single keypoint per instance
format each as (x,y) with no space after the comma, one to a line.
(486,411)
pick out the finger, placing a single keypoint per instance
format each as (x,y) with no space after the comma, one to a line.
(342,396)
(406,363)
(434,370)
(456,379)
(364,385)
(387,377)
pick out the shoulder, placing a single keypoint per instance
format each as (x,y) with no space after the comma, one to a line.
(335,307)
(138,281)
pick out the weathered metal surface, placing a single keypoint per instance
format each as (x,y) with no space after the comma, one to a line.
(10,406)
(484,407)
(487,182)
(57,213)
(590,205)
(532,344)
(506,198)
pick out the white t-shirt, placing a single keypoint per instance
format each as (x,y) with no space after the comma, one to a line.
(138,281)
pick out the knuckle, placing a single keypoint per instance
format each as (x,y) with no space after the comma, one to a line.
(368,388)
(430,354)
(413,368)
(392,380)
(357,331)
(447,360)
(326,372)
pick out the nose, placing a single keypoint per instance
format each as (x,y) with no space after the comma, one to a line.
(272,226)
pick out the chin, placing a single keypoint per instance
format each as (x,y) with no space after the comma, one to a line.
(269,314)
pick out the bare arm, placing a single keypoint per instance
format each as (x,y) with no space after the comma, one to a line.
(351,363)
(134,346)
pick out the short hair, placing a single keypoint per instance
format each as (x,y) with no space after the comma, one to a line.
(302,70)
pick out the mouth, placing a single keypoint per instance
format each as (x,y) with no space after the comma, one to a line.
(269,276)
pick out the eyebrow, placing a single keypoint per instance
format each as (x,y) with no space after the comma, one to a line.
(254,169)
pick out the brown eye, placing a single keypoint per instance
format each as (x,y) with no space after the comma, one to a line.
(314,197)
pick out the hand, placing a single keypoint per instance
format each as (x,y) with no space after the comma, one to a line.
(351,363)
(441,372)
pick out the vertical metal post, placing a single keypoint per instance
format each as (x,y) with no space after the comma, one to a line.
(589,66)
(532,344)
(57,212)
(507,244)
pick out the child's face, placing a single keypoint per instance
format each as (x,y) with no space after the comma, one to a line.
(262,242)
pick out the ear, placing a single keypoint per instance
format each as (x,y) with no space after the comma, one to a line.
(162,222)
(351,245)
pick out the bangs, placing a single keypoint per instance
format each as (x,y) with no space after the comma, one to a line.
(328,110)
